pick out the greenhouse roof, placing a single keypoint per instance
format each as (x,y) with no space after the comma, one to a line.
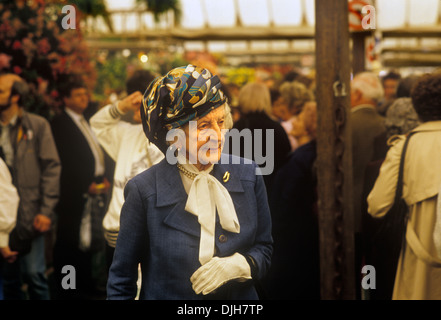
(410,30)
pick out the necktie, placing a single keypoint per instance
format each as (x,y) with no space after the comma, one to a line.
(96,149)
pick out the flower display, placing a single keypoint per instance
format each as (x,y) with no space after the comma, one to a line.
(34,45)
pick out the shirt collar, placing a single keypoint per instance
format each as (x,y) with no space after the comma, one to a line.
(363,106)
(12,122)
(75,116)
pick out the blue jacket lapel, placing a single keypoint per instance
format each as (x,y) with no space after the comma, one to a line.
(171,192)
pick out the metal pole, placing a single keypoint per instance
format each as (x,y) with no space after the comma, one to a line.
(334,162)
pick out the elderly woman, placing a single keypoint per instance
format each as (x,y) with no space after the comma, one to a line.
(293,96)
(401,117)
(418,274)
(197,222)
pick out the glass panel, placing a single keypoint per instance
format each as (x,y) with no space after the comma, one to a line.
(117,21)
(309,7)
(254,12)
(220,13)
(238,45)
(259,45)
(192,14)
(147,20)
(280,45)
(118,4)
(194,46)
(391,13)
(286,12)
(131,22)
(423,13)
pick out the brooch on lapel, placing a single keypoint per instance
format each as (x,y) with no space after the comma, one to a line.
(24,135)
(226,177)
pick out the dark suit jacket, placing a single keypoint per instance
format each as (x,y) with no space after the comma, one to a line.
(368,135)
(157,232)
(77,173)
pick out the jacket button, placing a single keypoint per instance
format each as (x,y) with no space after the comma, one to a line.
(223,238)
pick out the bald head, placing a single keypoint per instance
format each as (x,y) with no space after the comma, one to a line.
(10,77)
(366,88)
(12,90)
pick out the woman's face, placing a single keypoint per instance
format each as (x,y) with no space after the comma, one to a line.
(206,138)
(281,110)
(298,125)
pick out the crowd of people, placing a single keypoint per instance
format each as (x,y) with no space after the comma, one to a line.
(93,189)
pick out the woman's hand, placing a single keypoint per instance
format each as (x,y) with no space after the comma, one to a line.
(219,271)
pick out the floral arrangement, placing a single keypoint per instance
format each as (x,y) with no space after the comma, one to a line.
(34,46)
(240,76)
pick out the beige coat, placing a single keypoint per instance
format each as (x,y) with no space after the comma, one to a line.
(419,272)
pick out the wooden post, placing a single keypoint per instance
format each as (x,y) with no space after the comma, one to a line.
(359,51)
(334,153)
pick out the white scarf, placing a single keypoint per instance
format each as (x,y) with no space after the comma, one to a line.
(206,195)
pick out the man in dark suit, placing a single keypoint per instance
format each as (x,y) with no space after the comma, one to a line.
(83,191)
(368,147)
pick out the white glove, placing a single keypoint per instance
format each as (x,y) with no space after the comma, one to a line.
(219,271)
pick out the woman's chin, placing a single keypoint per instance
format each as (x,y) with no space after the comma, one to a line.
(211,157)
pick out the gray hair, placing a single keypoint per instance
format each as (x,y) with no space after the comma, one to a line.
(296,95)
(401,117)
(369,85)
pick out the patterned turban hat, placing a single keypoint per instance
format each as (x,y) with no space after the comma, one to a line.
(182,95)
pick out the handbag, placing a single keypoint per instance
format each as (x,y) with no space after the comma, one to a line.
(18,243)
(390,239)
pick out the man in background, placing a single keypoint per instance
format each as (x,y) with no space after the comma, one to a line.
(29,151)
(83,195)
(368,148)
(127,145)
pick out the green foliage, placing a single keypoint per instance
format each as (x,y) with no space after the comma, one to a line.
(94,8)
(159,7)
(111,75)
(34,46)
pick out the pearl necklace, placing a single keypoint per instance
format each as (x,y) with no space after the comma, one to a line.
(187,173)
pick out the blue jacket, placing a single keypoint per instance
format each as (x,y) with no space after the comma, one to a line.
(157,232)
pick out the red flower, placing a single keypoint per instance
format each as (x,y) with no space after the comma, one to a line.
(16,45)
(16,69)
(54,93)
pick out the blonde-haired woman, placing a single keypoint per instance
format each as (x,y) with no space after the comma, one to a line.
(255,107)
(255,97)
